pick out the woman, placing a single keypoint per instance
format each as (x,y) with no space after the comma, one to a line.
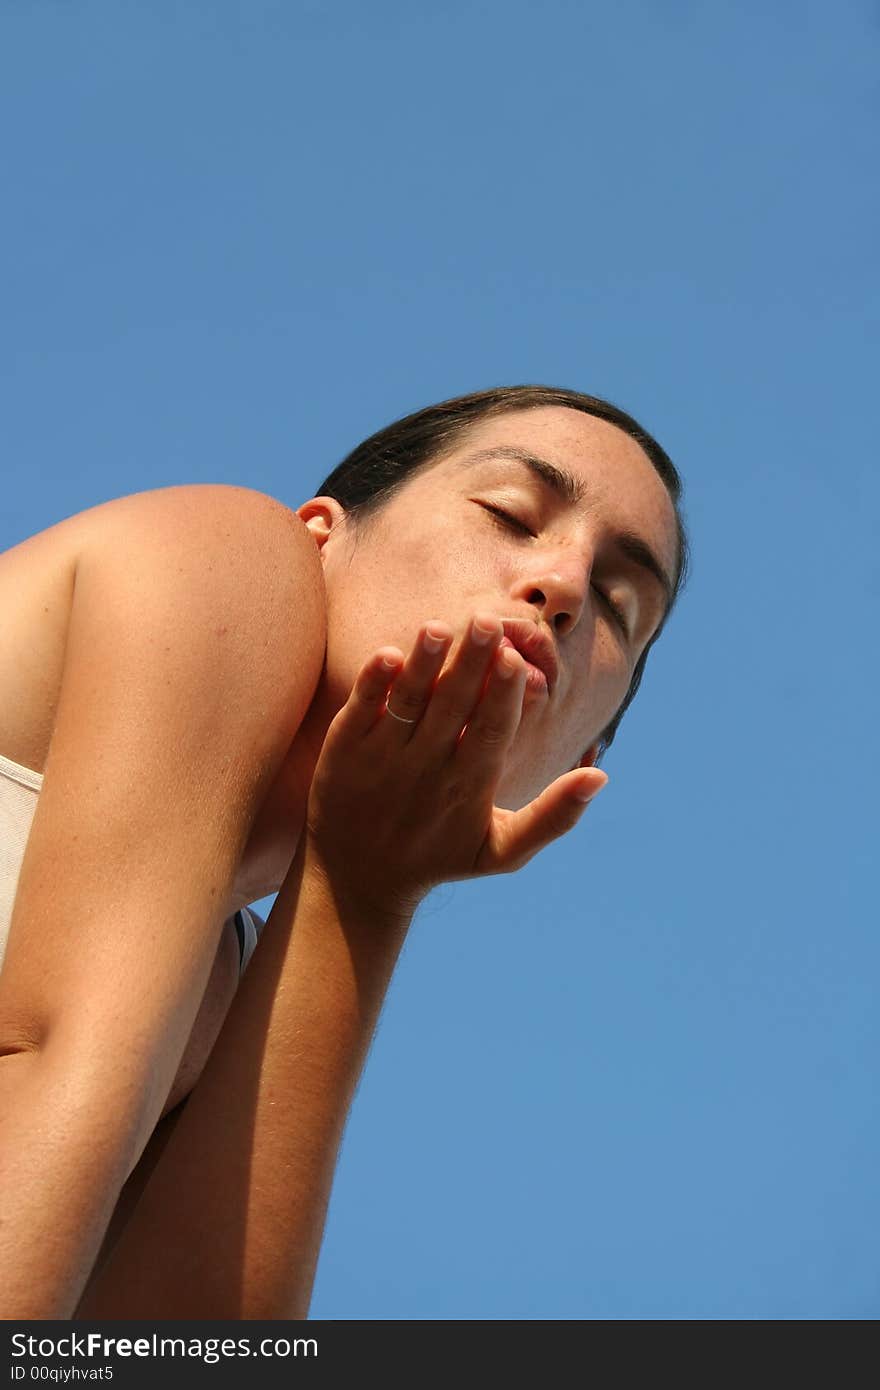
(204,682)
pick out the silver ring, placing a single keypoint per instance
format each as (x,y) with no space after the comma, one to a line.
(399,717)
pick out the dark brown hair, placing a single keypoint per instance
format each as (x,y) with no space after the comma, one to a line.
(371,474)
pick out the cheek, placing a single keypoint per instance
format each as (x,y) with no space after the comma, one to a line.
(435,573)
(442,554)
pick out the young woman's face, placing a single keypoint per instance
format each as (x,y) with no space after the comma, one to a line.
(442,548)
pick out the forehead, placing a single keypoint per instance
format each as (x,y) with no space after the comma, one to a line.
(619,481)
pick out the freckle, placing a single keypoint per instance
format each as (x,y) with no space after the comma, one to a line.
(221,631)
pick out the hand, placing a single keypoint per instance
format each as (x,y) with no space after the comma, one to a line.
(397,807)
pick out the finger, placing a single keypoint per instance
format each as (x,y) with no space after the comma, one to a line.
(366,702)
(521,834)
(491,729)
(414,683)
(457,691)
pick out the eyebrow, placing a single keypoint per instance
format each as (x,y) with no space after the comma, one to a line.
(572,491)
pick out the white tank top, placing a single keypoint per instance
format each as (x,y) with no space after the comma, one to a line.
(19,789)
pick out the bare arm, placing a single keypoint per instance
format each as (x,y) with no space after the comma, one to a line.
(230,1221)
(166,735)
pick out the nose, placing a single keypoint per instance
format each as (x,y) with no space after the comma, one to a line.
(557,586)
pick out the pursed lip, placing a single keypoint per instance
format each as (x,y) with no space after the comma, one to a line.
(534,645)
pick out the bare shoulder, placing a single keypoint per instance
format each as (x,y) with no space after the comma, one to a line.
(225,587)
(226,550)
(208,522)
(197,519)
(208,503)
(228,570)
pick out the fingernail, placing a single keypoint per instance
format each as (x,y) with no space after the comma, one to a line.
(431,642)
(587,793)
(507,663)
(389,662)
(480,635)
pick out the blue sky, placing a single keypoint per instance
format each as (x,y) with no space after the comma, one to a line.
(638,1078)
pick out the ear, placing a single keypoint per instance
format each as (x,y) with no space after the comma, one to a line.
(589,758)
(322,515)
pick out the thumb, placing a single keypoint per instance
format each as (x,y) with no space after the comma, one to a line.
(557,809)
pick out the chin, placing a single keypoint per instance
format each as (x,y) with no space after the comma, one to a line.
(515,792)
(520,785)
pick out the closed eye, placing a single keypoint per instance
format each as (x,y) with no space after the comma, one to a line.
(507,519)
(618,613)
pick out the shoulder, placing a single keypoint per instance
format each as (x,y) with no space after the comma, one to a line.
(218,549)
(214,582)
(203,520)
(207,591)
(207,522)
(208,584)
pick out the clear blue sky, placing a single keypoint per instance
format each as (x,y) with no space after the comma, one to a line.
(638,1079)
